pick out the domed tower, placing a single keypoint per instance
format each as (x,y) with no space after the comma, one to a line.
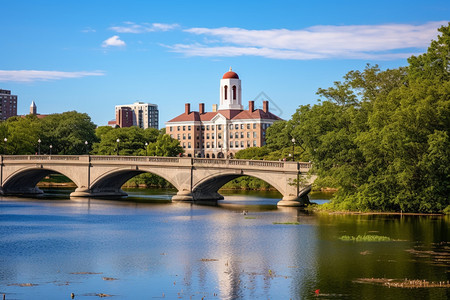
(230,91)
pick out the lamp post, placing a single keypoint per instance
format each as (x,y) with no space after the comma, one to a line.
(51,147)
(118,141)
(4,150)
(293,149)
(86,145)
(146,144)
(39,146)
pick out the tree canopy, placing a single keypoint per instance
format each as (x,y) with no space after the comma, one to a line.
(380,137)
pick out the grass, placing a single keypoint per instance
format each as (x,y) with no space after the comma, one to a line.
(250,217)
(286,223)
(365,238)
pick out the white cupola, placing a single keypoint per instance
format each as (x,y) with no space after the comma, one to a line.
(230,91)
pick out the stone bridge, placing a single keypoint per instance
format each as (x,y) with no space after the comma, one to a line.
(196,179)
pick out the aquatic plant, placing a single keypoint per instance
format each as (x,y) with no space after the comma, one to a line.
(365,238)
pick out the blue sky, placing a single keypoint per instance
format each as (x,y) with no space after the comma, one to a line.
(91,55)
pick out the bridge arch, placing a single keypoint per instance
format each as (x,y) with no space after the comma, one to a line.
(110,182)
(207,188)
(24,180)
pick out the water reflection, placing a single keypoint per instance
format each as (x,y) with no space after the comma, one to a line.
(155,248)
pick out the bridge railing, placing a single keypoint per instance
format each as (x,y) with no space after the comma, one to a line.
(185,161)
(40,157)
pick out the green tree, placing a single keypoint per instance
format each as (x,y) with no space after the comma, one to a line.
(165,146)
(67,133)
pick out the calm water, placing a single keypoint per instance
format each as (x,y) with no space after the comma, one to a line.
(147,248)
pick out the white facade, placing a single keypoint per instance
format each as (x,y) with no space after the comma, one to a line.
(145,115)
(230,94)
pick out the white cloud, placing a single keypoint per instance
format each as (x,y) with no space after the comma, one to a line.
(35,75)
(131,27)
(113,41)
(388,41)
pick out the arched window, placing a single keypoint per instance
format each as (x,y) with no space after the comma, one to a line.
(234,92)
(225,91)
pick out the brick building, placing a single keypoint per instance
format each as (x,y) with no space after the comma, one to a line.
(8,104)
(227,129)
(140,114)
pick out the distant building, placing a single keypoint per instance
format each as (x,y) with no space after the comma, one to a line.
(33,111)
(124,116)
(8,104)
(226,130)
(140,114)
(113,124)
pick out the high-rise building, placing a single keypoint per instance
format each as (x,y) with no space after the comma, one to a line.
(140,114)
(8,104)
(124,116)
(226,130)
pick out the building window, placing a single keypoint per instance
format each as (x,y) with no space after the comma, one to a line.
(178,128)
(184,136)
(184,128)
(212,135)
(242,126)
(231,135)
(170,128)
(231,126)
(189,127)
(236,144)
(184,145)
(231,144)
(207,145)
(225,91)
(254,134)
(207,136)
(248,126)
(220,127)
(236,126)
(178,136)
(248,143)
(254,125)
(248,134)
(189,145)
(219,135)
(234,92)
(198,145)
(207,127)
(189,136)
(254,143)
(242,144)
(236,135)
(242,135)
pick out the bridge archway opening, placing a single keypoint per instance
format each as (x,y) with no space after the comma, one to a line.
(147,180)
(113,182)
(38,181)
(209,188)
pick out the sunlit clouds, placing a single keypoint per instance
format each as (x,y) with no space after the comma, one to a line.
(131,27)
(388,41)
(113,41)
(35,75)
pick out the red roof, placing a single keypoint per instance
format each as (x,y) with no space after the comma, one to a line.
(229,114)
(230,74)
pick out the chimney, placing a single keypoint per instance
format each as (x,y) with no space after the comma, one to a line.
(214,109)
(187,108)
(266,106)
(201,108)
(251,106)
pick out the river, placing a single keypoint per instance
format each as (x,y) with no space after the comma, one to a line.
(145,247)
